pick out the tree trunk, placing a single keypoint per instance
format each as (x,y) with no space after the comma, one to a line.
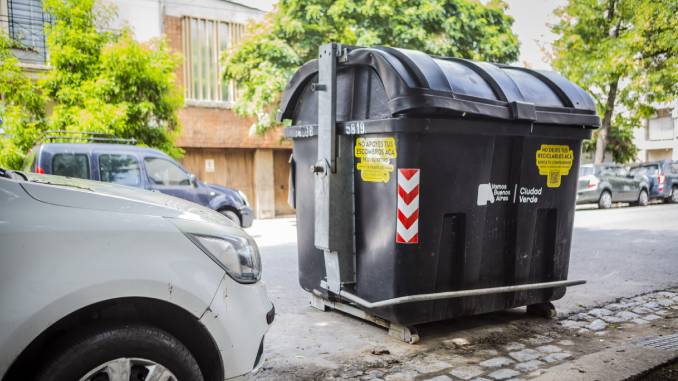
(601,141)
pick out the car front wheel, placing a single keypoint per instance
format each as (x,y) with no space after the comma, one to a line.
(605,200)
(674,195)
(231,215)
(643,199)
(122,353)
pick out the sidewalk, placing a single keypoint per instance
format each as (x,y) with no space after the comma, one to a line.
(608,343)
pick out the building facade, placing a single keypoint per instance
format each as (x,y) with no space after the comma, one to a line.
(219,148)
(658,138)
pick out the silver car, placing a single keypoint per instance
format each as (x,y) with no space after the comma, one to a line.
(605,184)
(100,282)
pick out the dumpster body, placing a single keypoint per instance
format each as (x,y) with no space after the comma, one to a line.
(463,176)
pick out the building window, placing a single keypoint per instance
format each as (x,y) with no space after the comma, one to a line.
(24,21)
(661,128)
(203,42)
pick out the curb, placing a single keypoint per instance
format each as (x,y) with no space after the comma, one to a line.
(613,364)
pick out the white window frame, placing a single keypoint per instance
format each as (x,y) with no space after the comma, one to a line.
(4,17)
(210,95)
(661,128)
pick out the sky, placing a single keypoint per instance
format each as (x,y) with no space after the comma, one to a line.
(531,20)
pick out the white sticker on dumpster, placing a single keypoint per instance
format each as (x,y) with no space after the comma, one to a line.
(375,158)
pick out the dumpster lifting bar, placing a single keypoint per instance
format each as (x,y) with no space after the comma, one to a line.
(457,294)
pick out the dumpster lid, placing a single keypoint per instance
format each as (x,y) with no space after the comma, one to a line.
(415,82)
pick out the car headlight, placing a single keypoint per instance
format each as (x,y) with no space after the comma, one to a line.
(238,256)
(244,198)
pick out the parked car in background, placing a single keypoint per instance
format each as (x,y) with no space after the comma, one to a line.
(139,167)
(662,178)
(605,184)
(105,282)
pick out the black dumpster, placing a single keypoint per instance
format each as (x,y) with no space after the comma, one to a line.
(457,180)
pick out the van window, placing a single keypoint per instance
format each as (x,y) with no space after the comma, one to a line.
(120,169)
(585,171)
(647,170)
(164,172)
(71,165)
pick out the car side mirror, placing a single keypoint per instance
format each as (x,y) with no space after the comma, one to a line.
(193,180)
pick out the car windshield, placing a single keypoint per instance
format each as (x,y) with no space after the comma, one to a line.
(586,170)
(645,170)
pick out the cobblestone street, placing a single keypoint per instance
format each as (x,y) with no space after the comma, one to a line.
(526,348)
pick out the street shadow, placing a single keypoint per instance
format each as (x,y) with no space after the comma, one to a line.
(491,328)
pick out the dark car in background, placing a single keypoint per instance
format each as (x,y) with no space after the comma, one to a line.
(140,167)
(605,184)
(662,179)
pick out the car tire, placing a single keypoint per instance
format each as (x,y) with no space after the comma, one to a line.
(137,349)
(231,215)
(643,198)
(674,195)
(605,200)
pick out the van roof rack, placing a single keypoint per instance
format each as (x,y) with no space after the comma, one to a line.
(62,136)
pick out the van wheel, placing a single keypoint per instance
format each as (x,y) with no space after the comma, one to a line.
(231,215)
(674,195)
(128,352)
(605,200)
(643,199)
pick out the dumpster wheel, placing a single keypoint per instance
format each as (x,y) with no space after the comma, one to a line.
(545,310)
(409,335)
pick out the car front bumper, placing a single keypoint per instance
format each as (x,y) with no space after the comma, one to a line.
(238,318)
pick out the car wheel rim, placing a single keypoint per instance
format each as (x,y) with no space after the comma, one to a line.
(607,200)
(674,195)
(643,198)
(128,369)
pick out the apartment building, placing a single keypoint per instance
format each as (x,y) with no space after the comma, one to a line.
(658,138)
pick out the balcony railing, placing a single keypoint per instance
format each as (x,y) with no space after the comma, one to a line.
(28,35)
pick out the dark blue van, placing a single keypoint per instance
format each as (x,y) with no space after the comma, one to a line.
(662,177)
(140,167)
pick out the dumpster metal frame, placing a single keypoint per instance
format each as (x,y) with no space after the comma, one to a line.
(334,216)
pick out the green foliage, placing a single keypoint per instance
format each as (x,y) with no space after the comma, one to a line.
(107,82)
(292,33)
(619,140)
(98,81)
(624,52)
(21,108)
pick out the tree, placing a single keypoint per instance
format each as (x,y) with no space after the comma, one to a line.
(291,34)
(21,108)
(104,81)
(624,53)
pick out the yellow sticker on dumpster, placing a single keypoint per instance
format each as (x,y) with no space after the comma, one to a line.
(554,162)
(375,158)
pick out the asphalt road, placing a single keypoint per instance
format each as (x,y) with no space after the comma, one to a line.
(620,252)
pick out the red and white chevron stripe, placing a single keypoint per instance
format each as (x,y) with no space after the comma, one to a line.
(407,226)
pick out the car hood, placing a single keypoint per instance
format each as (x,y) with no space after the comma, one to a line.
(87,194)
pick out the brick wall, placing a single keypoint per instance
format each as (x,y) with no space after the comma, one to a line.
(213,127)
(172,30)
